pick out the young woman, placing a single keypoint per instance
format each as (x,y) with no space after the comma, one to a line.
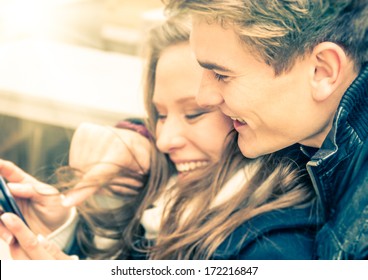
(201,199)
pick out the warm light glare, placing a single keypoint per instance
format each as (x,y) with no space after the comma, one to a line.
(31,18)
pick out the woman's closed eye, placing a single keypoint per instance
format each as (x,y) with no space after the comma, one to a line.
(193,116)
(161,116)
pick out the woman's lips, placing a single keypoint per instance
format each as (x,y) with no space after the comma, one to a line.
(185,168)
(190,165)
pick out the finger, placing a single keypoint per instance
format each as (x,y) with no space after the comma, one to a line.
(37,193)
(118,146)
(122,180)
(21,190)
(124,190)
(77,195)
(17,253)
(91,182)
(27,240)
(83,190)
(5,234)
(53,249)
(100,170)
(13,173)
(125,185)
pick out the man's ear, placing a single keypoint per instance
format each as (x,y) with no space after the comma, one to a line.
(328,61)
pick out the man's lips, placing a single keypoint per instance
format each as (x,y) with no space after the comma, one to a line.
(238,122)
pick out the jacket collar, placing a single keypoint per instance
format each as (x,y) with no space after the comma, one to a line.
(349,129)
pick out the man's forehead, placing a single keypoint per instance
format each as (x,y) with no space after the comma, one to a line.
(211,46)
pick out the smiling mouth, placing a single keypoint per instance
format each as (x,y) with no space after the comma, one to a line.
(238,120)
(190,166)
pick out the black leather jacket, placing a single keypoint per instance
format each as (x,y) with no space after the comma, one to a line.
(339,172)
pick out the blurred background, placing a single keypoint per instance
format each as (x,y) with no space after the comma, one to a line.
(63,62)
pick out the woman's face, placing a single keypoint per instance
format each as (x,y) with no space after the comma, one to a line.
(192,136)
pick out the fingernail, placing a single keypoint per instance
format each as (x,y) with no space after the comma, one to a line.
(19,186)
(14,185)
(40,238)
(7,237)
(7,218)
(66,201)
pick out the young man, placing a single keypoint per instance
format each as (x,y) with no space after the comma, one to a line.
(294,72)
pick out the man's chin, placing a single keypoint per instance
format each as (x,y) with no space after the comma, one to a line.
(247,150)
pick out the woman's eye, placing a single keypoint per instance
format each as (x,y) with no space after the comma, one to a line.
(194,115)
(161,117)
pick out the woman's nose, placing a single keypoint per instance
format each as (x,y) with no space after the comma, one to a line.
(209,94)
(170,136)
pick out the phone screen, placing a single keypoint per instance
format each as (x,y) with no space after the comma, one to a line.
(7,201)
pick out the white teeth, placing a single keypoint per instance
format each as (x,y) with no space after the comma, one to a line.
(238,119)
(190,166)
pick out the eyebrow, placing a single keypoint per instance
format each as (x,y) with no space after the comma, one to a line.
(214,66)
(185,99)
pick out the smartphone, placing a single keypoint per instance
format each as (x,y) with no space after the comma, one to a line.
(7,201)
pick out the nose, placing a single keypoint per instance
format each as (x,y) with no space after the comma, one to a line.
(209,94)
(170,135)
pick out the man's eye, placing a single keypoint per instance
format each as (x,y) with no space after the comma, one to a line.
(220,77)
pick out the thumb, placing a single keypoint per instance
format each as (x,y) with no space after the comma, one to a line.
(21,190)
(27,190)
(13,173)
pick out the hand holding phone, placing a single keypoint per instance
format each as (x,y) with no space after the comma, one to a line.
(7,201)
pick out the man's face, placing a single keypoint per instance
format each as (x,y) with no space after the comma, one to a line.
(270,113)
